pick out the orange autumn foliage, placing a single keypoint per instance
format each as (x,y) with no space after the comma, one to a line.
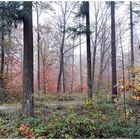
(135,98)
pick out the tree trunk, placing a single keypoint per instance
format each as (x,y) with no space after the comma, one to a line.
(61,62)
(89,78)
(64,80)
(38,50)
(132,44)
(81,69)
(27,99)
(108,76)
(113,52)
(2,61)
(44,78)
(72,84)
(94,52)
(100,81)
(102,58)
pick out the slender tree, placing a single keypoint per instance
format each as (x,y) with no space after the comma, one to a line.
(72,83)
(62,47)
(81,69)
(66,9)
(89,79)
(95,42)
(131,38)
(113,52)
(38,47)
(2,57)
(27,99)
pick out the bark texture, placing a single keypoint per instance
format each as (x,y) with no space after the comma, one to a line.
(27,100)
(89,78)
(113,52)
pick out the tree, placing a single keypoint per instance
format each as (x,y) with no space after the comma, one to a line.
(66,9)
(39,8)
(89,79)
(104,53)
(98,24)
(81,68)
(27,99)
(47,52)
(95,39)
(2,56)
(72,83)
(38,47)
(113,52)
(131,38)
(14,13)
(8,20)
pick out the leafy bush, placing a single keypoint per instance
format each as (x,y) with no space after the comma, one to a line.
(70,126)
(55,126)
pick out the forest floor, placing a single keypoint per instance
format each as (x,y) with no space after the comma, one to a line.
(73,116)
(48,101)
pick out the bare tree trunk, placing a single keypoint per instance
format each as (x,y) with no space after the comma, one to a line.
(61,62)
(103,51)
(72,85)
(113,52)
(100,74)
(64,86)
(11,72)
(101,61)
(2,61)
(65,17)
(94,56)
(44,78)
(2,57)
(38,50)
(89,78)
(81,69)
(61,66)
(132,44)
(27,99)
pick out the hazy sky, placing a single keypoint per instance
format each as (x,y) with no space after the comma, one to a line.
(122,16)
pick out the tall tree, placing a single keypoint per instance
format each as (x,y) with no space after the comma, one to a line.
(64,11)
(47,52)
(38,47)
(95,41)
(40,7)
(113,52)
(104,54)
(89,79)
(2,57)
(27,99)
(72,83)
(131,37)
(81,69)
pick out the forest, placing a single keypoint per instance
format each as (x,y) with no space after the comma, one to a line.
(69,69)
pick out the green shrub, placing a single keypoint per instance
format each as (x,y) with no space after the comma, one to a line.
(58,126)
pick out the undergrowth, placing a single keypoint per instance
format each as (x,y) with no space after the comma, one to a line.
(96,118)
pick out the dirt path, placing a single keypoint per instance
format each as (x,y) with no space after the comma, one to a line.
(63,103)
(7,107)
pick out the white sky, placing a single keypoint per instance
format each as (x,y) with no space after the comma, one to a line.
(121,12)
